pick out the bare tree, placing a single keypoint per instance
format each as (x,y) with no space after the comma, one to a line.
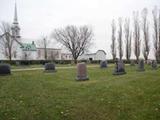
(155,34)
(76,39)
(136,35)
(113,45)
(120,42)
(6,40)
(130,44)
(145,29)
(128,38)
(44,43)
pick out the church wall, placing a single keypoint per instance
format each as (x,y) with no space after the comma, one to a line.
(2,57)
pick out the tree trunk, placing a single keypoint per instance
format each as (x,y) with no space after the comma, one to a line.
(10,59)
(45,53)
(137,59)
(10,55)
(75,60)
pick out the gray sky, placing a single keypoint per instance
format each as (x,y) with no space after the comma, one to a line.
(41,17)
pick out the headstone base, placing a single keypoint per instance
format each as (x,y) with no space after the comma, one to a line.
(50,71)
(119,73)
(5,74)
(82,78)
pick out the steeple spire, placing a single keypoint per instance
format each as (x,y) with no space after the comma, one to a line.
(15,26)
(15,14)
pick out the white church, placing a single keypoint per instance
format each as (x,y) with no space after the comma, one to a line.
(21,50)
(29,51)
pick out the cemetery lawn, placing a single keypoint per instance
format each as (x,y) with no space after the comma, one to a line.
(35,95)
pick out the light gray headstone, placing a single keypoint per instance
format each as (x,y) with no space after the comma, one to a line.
(141,65)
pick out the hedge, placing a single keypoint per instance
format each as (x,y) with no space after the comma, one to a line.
(32,62)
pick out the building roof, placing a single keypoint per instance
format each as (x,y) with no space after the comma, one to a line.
(28,47)
(102,51)
(96,52)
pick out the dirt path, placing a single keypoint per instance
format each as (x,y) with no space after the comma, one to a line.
(30,69)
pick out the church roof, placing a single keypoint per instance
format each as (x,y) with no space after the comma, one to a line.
(28,47)
(97,52)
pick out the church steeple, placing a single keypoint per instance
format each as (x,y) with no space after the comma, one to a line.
(15,25)
(15,15)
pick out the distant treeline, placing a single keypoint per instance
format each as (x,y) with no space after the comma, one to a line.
(136,35)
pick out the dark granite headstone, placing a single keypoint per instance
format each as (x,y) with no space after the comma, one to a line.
(103,64)
(119,68)
(141,65)
(82,72)
(154,64)
(50,67)
(5,69)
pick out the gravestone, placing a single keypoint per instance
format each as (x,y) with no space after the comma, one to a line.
(154,64)
(132,63)
(103,64)
(119,68)
(82,72)
(50,67)
(141,65)
(5,69)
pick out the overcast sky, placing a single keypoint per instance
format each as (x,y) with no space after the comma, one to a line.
(41,17)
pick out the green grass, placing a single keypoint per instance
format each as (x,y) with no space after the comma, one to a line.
(35,95)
